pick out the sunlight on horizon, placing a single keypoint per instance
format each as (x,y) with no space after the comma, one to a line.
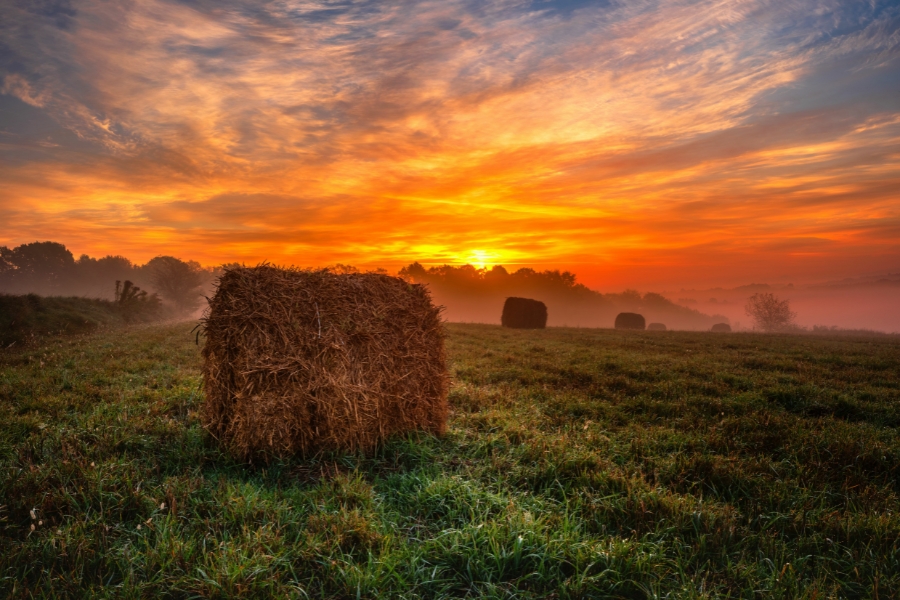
(635,145)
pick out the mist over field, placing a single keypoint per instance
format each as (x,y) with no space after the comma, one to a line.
(849,306)
(476,295)
(859,303)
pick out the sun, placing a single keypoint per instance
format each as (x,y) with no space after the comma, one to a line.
(482,258)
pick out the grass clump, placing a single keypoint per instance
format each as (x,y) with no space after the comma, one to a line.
(30,319)
(578,463)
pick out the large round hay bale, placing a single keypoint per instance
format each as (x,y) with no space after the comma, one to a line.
(524,313)
(721,328)
(630,321)
(298,361)
(656,327)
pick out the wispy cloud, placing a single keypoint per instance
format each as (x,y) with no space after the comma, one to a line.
(540,131)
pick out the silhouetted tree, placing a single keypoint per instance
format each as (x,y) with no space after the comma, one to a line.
(342,269)
(177,281)
(631,298)
(769,313)
(6,265)
(38,267)
(94,274)
(414,271)
(472,294)
(497,273)
(104,266)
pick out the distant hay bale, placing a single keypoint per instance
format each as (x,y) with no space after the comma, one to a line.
(298,361)
(524,313)
(721,328)
(656,327)
(630,321)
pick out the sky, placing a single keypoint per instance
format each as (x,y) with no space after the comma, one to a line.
(637,144)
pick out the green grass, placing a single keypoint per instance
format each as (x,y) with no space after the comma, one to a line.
(578,464)
(28,319)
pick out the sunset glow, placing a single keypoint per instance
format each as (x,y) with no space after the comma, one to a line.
(633,143)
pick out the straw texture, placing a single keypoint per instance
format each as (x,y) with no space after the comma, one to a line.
(298,361)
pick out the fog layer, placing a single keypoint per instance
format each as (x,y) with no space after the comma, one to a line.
(861,303)
(476,295)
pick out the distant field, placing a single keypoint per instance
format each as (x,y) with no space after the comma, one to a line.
(579,463)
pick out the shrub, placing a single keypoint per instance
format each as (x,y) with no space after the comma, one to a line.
(769,313)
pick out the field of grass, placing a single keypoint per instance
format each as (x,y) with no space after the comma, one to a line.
(28,319)
(578,464)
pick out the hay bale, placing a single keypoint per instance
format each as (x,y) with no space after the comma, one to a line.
(721,328)
(630,321)
(656,327)
(298,361)
(524,313)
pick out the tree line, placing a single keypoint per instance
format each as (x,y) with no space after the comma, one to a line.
(50,269)
(477,295)
(468,293)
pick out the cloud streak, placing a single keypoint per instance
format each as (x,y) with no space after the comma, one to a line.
(598,133)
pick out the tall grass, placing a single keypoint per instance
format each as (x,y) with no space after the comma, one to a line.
(579,463)
(30,318)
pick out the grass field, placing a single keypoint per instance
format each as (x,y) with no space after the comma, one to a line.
(578,464)
(31,319)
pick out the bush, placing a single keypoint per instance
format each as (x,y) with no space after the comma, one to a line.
(133,303)
(769,313)
(27,319)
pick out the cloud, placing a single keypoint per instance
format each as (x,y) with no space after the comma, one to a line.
(382,130)
(16,86)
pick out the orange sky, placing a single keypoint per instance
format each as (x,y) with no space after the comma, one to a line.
(638,144)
